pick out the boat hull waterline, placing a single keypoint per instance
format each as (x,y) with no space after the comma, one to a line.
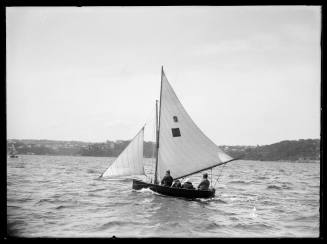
(174,192)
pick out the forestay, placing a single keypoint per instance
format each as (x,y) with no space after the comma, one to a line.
(130,161)
(183,147)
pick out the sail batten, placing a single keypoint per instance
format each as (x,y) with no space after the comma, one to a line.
(183,147)
(130,160)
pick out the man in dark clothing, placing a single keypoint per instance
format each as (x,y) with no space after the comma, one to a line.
(167,179)
(204,184)
(188,184)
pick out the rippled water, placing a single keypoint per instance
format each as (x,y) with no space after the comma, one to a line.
(60,196)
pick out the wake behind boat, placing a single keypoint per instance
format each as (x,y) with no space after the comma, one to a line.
(181,147)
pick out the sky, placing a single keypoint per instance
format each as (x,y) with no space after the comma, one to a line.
(246,75)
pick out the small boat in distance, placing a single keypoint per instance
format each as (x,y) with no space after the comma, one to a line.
(181,147)
(13,152)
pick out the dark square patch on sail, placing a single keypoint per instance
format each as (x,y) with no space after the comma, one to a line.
(175,119)
(176,132)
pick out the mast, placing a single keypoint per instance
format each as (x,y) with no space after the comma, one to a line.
(158,130)
(157,145)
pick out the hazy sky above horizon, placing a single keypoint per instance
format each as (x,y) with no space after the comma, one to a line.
(246,75)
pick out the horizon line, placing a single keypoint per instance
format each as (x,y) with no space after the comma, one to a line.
(154,141)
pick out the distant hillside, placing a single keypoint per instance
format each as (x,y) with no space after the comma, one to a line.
(74,148)
(282,151)
(285,150)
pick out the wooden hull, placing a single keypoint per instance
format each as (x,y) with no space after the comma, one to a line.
(174,192)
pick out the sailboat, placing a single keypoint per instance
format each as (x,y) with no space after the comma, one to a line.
(181,147)
(13,152)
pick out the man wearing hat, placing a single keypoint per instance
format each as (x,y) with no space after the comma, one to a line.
(167,179)
(204,184)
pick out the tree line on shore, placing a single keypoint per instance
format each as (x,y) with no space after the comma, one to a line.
(303,149)
(308,149)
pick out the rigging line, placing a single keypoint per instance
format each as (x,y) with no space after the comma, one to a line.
(211,177)
(148,118)
(153,145)
(154,138)
(221,172)
(154,128)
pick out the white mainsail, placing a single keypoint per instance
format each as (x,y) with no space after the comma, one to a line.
(130,161)
(183,148)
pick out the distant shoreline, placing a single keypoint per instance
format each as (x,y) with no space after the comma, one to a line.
(302,150)
(276,161)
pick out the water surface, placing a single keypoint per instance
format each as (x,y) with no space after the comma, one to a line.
(60,196)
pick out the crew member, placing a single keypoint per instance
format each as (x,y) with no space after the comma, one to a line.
(188,184)
(204,184)
(167,179)
(177,184)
